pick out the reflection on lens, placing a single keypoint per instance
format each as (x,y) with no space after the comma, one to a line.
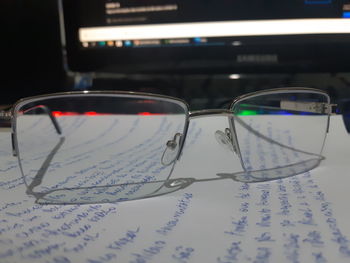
(278,130)
(97,142)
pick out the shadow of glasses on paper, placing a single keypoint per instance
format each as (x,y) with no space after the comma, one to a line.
(110,147)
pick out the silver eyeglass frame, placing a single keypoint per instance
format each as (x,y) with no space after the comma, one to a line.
(11,115)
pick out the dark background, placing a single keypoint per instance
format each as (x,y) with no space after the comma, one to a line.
(31,53)
(32,65)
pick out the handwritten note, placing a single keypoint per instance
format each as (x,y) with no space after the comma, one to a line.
(296,219)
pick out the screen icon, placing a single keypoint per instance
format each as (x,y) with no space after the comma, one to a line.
(127,43)
(118,43)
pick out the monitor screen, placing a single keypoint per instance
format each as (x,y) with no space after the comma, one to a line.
(155,36)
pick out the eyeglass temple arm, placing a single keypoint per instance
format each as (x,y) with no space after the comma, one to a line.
(312,107)
(50,114)
(8,116)
(302,106)
(316,107)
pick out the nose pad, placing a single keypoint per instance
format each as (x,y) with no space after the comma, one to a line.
(225,140)
(172,149)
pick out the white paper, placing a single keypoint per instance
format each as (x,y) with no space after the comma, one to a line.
(304,218)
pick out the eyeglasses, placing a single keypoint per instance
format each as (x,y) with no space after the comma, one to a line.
(91,147)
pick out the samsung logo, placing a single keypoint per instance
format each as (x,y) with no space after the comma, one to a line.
(257,58)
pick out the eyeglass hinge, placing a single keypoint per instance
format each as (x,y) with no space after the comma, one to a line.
(325,108)
(5,115)
(332,109)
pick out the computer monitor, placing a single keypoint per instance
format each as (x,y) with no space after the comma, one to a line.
(205,36)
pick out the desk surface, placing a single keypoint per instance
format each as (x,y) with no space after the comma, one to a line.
(304,218)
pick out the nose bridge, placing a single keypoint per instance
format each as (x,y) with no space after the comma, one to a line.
(210,113)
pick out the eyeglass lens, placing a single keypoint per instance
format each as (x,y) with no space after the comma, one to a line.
(280,134)
(110,148)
